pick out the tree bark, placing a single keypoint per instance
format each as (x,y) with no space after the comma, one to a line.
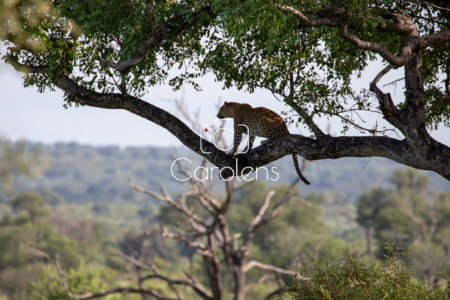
(239,279)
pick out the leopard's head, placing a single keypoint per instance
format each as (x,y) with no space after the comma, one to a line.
(225,111)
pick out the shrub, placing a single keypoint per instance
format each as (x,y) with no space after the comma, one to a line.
(352,279)
(84,279)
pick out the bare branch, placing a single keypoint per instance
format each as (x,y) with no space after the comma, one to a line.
(165,233)
(286,197)
(166,198)
(306,202)
(121,290)
(197,285)
(381,74)
(257,264)
(262,211)
(208,201)
(280,280)
(255,224)
(192,282)
(387,106)
(345,119)
(393,81)
(134,261)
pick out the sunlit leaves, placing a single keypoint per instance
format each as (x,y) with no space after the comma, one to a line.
(354,279)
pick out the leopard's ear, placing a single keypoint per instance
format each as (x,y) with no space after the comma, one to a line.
(226,103)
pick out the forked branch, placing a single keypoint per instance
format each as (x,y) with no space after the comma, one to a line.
(165,31)
(387,106)
(401,24)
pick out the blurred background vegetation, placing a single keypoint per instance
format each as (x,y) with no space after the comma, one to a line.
(73,202)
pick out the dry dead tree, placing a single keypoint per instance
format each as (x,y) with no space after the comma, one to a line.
(212,238)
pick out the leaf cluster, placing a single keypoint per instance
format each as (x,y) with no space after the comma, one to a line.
(353,279)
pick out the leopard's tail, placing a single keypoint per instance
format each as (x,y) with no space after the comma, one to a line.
(297,168)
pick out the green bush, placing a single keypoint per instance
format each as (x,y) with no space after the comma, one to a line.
(353,279)
(81,280)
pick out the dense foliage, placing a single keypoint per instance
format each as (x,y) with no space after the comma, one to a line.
(353,279)
(251,44)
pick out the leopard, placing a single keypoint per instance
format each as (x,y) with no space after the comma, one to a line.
(261,122)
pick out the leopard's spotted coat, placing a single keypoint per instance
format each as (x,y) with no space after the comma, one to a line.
(260,121)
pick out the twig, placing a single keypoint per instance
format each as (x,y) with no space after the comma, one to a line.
(393,81)
(426,3)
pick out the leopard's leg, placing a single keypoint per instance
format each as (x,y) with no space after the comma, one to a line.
(238,131)
(251,140)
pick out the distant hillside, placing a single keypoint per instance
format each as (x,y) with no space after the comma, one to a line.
(100,174)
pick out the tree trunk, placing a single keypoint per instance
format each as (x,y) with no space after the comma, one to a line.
(239,288)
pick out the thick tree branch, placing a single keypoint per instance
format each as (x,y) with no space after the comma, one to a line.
(163,32)
(434,39)
(434,157)
(13,61)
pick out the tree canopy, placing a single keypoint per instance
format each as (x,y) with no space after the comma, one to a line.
(107,53)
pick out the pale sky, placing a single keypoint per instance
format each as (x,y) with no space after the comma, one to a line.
(27,114)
